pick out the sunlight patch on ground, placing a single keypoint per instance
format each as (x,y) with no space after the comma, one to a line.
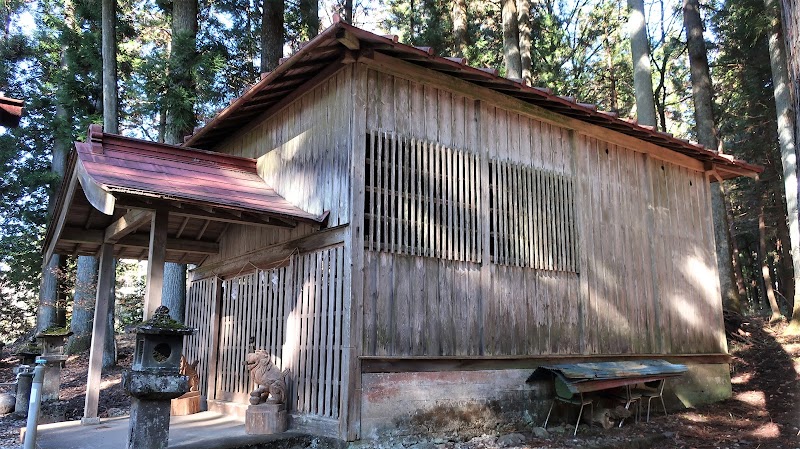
(754,398)
(792,348)
(696,417)
(110,382)
(768,430)
(742,378)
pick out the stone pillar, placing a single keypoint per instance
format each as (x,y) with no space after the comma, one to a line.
(151,395)
(24,382)
(154,379)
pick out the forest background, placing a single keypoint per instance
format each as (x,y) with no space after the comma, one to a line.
(170,78)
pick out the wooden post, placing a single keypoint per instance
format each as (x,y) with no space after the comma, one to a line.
(353,313)
(580,190)
(155,262)
(216,304)
(651,238)
(105,290)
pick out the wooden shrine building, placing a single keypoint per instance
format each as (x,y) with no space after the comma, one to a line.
(409,237)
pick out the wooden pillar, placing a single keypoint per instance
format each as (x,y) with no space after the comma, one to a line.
(155,262)
(353,313)
(105,290)
(216,309)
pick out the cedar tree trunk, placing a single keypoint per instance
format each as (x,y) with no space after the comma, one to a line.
(706,135)
(511,40)
(642,75)
(271,34)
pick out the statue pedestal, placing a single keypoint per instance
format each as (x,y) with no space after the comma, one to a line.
(265,419)
(188,404)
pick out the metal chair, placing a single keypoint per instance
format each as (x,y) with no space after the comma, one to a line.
(565,396)
(631,396)
(652,393)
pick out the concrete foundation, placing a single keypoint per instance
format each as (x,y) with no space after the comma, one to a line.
(469,403)
(703,384)
(265,419)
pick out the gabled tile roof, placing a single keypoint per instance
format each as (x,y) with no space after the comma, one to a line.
(325,52)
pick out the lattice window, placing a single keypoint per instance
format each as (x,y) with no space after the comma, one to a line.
(422,198)
(532,218)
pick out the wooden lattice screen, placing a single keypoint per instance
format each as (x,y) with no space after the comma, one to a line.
(422,198)
(199,303)
(532,218)
(294,313)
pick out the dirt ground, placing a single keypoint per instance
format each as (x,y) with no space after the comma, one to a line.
(763,412)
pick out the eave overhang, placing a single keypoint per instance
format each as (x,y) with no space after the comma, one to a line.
(342,43)
(113,184)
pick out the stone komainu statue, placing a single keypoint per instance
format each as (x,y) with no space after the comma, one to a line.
(190,370)
(269,379)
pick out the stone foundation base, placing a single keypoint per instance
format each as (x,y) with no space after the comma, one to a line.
(265,419)
(469,403)
(188,404)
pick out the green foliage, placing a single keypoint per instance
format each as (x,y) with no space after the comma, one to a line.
(748,128)
(130,291)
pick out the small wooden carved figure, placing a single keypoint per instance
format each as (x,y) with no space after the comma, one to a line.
(190,370)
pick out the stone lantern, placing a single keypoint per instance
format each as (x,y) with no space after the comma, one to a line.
(28,353)
(53,341)
(154,379)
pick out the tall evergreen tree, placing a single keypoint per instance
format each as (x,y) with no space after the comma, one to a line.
(642,75)
(706,134)
(786,138)
(511,40)
(180,122)
(271,34)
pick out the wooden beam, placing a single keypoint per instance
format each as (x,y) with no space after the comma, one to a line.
(380,364)
(96,236)
(126,224)
(263,257)
(347,39)
(155,262)
(104,296)
(61,218)
(211,213)
(396,67)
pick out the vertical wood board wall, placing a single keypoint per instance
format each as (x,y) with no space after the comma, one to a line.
(649,278)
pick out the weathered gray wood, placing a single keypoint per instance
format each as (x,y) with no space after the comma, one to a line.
(105,294)
(353,279)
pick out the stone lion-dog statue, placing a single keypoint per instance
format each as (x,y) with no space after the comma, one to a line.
(271,387)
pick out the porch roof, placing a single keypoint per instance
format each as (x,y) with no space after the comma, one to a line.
(113,184)
(341,43)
